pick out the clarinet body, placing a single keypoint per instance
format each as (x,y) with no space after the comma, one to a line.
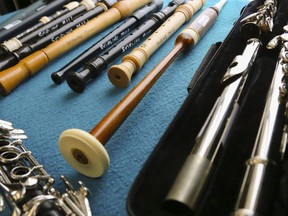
(28,187)
(266,152)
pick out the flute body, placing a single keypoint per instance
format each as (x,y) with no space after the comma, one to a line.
(12,77)
(193,176)
(41,20)
(262,162)
(45,19)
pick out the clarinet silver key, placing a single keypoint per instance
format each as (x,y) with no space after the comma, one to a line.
(26,185)
(7,131)
(2,206)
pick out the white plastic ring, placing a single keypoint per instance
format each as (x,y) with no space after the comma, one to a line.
(84,152)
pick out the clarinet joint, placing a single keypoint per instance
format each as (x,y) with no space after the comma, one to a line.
(27,187)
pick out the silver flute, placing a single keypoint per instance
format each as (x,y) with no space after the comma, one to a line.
(27,187)
(188,186)
(258,166)
(259,22)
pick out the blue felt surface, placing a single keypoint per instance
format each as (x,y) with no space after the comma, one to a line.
(44,110)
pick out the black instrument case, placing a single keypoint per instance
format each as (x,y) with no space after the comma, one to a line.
(148,192)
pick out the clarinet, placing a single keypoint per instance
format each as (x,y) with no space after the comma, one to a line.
(120,32)
(27,187)
(77,81)
(76,9)
(259,22)
(30,47)
(266,153)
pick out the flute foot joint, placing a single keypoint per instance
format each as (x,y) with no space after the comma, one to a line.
(84,152)
(189,184)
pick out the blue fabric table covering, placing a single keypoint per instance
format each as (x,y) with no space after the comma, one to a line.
(44,110)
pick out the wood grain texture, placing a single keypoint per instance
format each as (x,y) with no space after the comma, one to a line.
(104,130)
